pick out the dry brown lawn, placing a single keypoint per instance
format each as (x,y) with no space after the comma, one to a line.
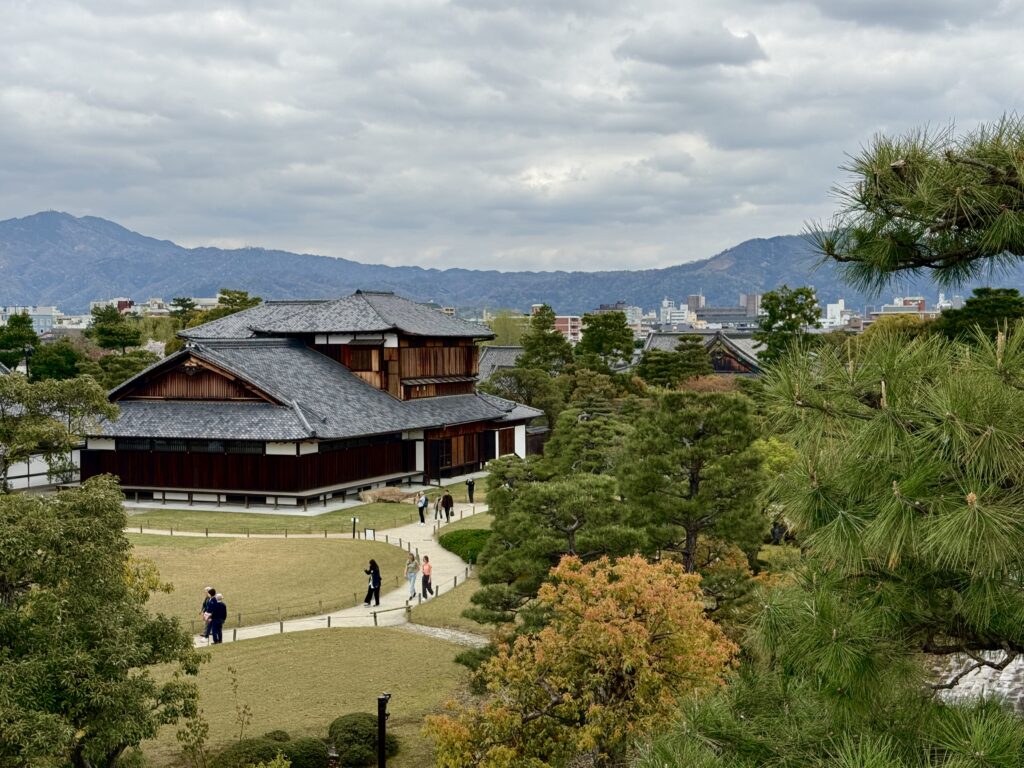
(264,579)
(300,682)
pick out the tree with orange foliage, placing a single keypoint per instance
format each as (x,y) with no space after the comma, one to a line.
(626,638)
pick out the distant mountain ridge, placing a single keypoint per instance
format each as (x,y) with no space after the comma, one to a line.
(57,258)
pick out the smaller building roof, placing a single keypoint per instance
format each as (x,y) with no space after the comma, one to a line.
(4,370)
(494,358)
(362,312)
(742,345)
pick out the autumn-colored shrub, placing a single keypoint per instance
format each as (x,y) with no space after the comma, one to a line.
(625,639)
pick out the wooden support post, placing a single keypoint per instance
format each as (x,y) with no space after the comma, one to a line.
(281,624)
(375,618)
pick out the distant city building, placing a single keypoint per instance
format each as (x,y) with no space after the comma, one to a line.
(154,307)
(450,311)
(668,306)
(752,303)
(906,305)
(43,318)
(957,302)
(694,302)
(123,304)
(570,326)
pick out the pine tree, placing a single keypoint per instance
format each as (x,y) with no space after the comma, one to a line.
(787,312)
(694,359)
(931,201)
(688,471)
(15,338)
(544,348)
(607,341)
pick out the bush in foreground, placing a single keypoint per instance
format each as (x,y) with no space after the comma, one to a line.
(301,753)
(355,738)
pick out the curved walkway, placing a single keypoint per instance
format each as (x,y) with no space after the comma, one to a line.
(449,571)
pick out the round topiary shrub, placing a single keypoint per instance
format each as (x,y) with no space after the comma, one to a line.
(277,736)
(247,752)
(355,738)
(306,753)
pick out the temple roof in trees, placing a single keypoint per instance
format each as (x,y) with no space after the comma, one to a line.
(731,354)
(362,312)
(495,358)
(297,394)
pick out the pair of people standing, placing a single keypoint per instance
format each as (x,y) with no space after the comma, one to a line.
(214,613)
(444,505)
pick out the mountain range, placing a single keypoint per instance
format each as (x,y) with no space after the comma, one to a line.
(59,259)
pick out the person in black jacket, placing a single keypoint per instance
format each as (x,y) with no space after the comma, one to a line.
(218,615)
(204,612)
(373,590)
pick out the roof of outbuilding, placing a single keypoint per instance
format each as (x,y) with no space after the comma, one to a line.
(494,358)
(4,370)
(362,312)
(316,397)
(744,346)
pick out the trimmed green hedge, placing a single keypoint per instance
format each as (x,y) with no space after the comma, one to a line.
(303,753)
(355,738)
(466,543)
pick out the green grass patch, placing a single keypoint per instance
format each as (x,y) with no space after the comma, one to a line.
(379,516)
(301,682)
(264,579)
(483,520)
(465,543)
(446,610)
(459,493)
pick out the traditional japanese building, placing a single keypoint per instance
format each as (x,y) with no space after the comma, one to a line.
(733,354)
(297,402)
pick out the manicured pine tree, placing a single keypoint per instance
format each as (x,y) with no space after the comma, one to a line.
(544,348)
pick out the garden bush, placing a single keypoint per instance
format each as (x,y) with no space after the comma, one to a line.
(247,752)
(305,753)
(277,736)
(355,738)
(466,543)
(302,753)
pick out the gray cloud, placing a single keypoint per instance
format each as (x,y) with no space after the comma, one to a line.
(557,134)
(691,48)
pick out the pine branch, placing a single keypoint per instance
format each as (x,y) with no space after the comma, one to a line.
(979,663)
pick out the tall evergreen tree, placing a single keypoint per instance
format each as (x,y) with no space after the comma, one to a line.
(659,368)
(17,335)
(607,341)
(688,472)
(59,360)
(694,359)
(544,348)
(111,330)
(787,312)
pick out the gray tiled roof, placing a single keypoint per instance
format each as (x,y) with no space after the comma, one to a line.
(318,398)
(744,345)
(362,312)
(493,358)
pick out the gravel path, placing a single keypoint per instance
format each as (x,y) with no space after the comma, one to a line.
(449,571)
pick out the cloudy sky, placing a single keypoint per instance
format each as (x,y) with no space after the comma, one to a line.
(539,134)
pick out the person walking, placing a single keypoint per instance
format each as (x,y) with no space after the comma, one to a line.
(437,508)
(218,615)
(205,611)
(428,572)
(421,506)
(412,567)
(373,589)
(447,503)
(470,487)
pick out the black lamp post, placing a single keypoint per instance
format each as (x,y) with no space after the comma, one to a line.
(382,729)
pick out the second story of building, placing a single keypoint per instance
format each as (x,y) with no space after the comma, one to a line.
(396,345)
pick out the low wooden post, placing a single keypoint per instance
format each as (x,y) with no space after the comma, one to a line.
(375,618)
(281,624)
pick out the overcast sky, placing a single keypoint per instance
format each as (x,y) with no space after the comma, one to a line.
(539,134)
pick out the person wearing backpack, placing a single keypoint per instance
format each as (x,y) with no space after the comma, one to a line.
(421,506)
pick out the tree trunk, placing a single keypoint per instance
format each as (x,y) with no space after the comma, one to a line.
(690,553)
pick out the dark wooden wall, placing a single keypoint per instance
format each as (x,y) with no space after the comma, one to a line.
(202,384)
(239,472)
(413,392)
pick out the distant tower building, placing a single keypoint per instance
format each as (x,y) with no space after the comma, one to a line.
(450,311)
(694,302)
(667,306)
(752,303)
